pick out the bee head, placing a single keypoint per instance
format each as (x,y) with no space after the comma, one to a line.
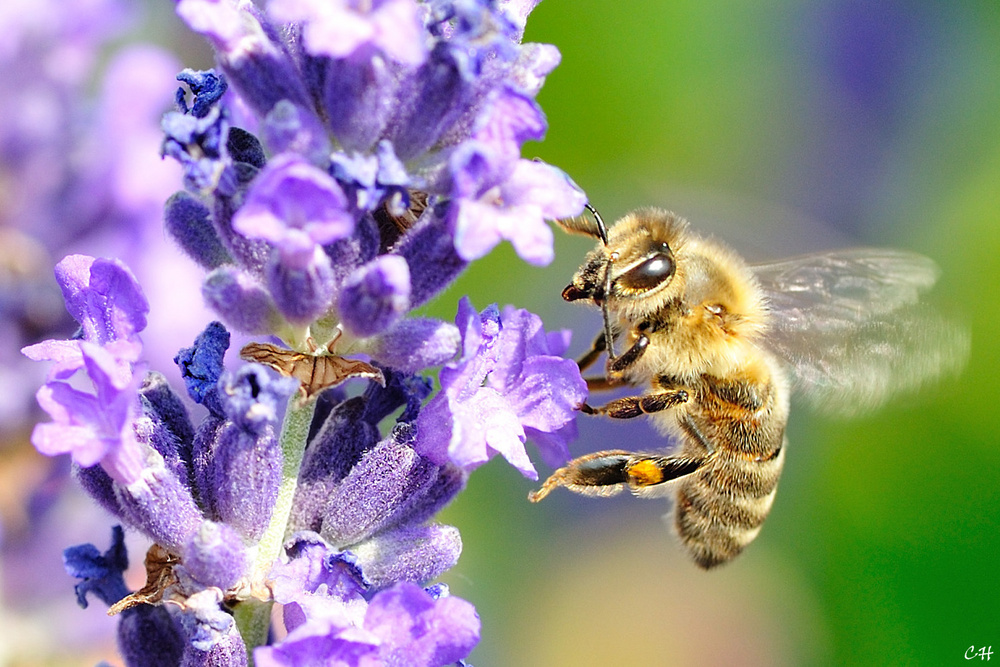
(636,261)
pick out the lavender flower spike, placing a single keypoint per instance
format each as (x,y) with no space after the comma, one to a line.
(343,165)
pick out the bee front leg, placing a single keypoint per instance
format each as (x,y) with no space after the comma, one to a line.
(629,407)
(599,346)
(606,473)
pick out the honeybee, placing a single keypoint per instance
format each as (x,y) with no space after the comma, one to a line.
(720,346)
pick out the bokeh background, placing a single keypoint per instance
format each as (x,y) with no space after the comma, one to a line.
(782,126)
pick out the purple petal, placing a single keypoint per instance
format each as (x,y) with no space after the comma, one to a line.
(511,119)
(534,63)
(415,344)
(339,29)
(100,574)
(103,296)
(66,353)
(488,425)
(479,227)
(545,188)
(314,564)
(222,21)
(290,197)
(417,629)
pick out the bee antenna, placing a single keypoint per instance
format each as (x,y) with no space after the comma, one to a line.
(609,337)
(601,229)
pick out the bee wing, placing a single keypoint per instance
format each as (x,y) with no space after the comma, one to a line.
(849,326)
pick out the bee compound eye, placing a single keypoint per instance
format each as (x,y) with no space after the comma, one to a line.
(655,269)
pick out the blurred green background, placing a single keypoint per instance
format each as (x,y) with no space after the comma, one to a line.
(781,127)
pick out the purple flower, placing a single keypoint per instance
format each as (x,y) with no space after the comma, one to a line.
(93,428)
(108,304)
(404,624)
(97,427)
(295,206)
(489,209)
(509,384)
(431,103)
(341,28)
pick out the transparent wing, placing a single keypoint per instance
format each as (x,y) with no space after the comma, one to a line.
(849,326)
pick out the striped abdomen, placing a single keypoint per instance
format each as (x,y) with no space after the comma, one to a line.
(720,508)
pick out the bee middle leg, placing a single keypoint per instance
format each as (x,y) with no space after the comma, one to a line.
(629,407)
(606,473)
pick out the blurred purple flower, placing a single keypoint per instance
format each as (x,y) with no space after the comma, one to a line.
(78,169)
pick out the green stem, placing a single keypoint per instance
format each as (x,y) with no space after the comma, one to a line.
(253,616)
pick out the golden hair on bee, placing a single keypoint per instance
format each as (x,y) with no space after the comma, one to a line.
(717,345)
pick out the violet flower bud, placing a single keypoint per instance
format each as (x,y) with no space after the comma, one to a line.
(375,296)
(408,553)
(238,461)
(240,301)
(303,289)
(430,253)
(215,556)
(374,495)
(162,404)
(359,95)
(333,451)
(415,344)
(161,506)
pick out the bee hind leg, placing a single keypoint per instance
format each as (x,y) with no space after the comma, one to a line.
(607,473)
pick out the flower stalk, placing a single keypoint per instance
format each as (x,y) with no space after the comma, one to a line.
(253,616)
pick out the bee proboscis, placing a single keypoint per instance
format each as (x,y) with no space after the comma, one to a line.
(720,346)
